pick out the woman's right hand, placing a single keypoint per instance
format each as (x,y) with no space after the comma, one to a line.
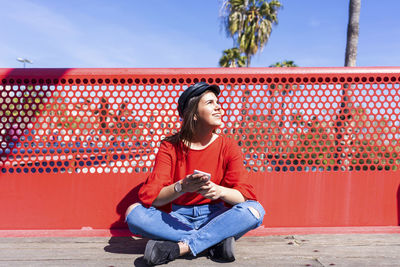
(194,182)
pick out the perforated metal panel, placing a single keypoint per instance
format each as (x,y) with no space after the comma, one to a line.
(112,121)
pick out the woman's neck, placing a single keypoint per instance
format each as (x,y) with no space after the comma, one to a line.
(203,138)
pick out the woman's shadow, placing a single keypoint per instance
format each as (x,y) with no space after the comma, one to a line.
(122,241)
(128,245)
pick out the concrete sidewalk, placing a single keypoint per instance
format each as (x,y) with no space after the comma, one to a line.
(275,250)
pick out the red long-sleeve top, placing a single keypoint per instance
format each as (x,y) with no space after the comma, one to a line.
(222,159)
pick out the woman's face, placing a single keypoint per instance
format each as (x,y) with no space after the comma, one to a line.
(209,110)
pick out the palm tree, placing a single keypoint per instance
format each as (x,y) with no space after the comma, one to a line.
(249,23)
(284,64)
(349,61)
(232,58)
(352,33)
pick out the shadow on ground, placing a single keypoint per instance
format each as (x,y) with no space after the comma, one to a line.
(139,262)
(126,245)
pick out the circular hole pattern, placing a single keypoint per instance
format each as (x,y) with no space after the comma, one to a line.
(115,125)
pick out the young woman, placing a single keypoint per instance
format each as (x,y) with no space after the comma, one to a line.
(209,211)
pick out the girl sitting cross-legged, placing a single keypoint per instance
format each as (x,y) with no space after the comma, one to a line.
(202,175)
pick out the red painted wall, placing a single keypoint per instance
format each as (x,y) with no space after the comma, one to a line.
(99,201)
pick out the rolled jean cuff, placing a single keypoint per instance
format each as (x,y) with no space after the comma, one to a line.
(189,242)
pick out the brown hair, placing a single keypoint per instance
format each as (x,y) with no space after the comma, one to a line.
(185,135)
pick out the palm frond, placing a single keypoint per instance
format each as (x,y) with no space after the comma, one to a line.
(284,64)
(232,58)
(249,23)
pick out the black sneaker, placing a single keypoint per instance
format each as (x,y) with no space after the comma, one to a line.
(223,251)
(160,252)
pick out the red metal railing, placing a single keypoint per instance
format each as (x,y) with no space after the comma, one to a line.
(300,130)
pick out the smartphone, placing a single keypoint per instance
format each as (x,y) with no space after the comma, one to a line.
(205,173)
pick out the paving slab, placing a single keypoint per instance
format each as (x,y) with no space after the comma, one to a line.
(278,250)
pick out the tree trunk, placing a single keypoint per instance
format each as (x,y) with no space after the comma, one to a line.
(352,33)
(248,60)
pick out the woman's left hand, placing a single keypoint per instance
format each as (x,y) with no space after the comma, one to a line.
(211,191)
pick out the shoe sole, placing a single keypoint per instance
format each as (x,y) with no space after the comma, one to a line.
(148,252)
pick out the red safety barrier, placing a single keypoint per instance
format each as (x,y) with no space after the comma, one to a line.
(321,144)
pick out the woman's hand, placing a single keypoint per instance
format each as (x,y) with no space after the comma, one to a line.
(194,182)
(229,195)
(211,191)
(191,183)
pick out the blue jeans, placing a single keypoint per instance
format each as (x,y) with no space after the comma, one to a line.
(198,226)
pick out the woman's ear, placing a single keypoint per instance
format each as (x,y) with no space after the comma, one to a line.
(195,117)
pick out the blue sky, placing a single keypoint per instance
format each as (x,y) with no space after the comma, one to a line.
(186,33)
